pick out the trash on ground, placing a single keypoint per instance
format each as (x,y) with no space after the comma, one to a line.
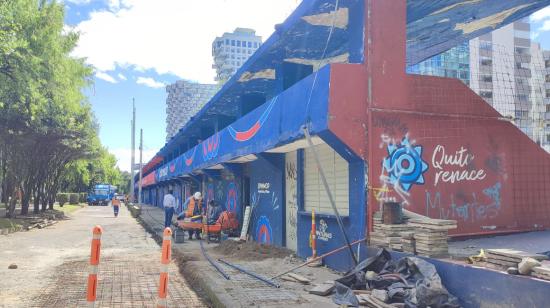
(407,282)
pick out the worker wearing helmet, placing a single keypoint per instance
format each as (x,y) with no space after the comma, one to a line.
(192,211)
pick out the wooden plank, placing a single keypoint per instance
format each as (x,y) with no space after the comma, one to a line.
(542,270)
(323,289)
(437,222)
(299,278)
(516,254)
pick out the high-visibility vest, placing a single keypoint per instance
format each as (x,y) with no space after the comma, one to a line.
(191,207)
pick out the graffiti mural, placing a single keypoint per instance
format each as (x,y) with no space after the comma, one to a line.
(209,193)
(466,208)
(231,200)
(455,167)
(248,134)
(210,147)
(189,160)
(263,231)
(322,232)
(402,168)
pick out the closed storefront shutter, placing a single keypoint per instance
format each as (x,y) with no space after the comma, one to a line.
(337,175)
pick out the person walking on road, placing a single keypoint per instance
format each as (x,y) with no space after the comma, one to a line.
(116,205)
(169,204)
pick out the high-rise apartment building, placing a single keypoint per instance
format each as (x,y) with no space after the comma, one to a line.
(546,99)
(231,50)
(502,63)
(454,63)
(184,100)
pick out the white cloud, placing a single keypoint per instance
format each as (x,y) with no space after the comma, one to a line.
(150,82)
(121,77)
(541,14)
(545,26)
(171,36)
(124,157)
(78,2)
(105,76)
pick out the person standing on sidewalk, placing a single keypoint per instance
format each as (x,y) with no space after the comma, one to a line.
(116,205)
(169,204)
(192,212)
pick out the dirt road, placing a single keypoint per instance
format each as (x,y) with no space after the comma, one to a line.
(53,265)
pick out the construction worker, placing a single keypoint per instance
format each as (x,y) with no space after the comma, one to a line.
(192,212)
(116,205)
(213,213)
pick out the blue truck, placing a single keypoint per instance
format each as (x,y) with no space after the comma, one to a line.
(101,194)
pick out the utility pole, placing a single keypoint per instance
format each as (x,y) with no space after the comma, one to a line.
(140,163)
(133,150)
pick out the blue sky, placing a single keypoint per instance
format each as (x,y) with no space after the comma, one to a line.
(139,46)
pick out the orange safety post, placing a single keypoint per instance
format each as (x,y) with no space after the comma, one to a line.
(164,261)
(94,263)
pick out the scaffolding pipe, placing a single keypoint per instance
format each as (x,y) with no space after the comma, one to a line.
(216,266)
(266,280)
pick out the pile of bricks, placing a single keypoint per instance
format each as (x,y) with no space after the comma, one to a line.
(431,236)
(501,259)
(423,236)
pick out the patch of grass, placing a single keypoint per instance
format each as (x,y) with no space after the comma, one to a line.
(69,208)
(7,223)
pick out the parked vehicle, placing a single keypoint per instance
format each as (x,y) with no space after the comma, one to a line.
(101,194)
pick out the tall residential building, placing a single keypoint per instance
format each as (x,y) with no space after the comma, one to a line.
(454,63)
(231,50)
(546,99)
(184,100)
(501,61)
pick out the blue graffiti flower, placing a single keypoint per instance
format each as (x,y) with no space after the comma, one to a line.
(404,164)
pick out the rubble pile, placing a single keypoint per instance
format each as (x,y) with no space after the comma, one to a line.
(502,259)
(380,281)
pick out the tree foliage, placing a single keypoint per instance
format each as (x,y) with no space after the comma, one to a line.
(47,128)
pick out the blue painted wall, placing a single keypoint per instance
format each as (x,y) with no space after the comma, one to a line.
(261,129)
(267,189)
(226,191)
(329,236)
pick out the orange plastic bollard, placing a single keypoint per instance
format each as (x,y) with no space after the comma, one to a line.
(94,263)
(164,261)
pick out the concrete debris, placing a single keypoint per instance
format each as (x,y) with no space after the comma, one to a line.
(526,265)
(299,278)
(381,295)
(502,259)
(512,271)
(12,266)
(323,289)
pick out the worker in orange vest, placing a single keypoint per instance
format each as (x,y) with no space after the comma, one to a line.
(192,211)
(116,205)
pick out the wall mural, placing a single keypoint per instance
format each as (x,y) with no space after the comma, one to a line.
(402,168)
(231,199)
(210,147)
(246,135)
(445,175)
(263,231)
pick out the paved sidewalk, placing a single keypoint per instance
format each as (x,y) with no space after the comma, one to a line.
(53,265)
(242,290)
